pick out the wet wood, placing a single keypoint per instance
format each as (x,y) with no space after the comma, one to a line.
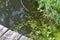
(6,34)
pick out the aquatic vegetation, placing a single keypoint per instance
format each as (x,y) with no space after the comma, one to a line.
(41,25)
(45,24)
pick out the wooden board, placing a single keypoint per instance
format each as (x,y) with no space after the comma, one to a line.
(6,34)
(25,38)
(2,30)
(10,35)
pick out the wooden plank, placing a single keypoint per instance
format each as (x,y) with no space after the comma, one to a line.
(25,38)
(2,30)
(1,27)
(10,35)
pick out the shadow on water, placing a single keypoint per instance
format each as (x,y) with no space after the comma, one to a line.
(26,29)
(12,13)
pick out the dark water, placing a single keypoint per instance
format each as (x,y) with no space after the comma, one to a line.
(12,13)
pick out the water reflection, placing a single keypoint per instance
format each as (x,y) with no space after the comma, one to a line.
(11,12)
(7,2)
(11,22)
(2,17)
(1,6)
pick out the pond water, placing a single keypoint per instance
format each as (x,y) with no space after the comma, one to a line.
(12,13)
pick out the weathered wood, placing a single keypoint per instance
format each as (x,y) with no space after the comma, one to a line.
(6,34)
(25,38)
(10,35)
(2,30)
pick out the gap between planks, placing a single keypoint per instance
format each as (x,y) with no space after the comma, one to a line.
(6,34)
